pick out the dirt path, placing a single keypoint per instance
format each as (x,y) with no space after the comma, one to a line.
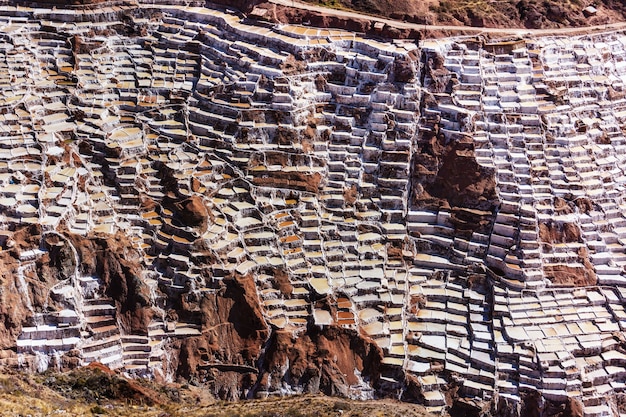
(464,29)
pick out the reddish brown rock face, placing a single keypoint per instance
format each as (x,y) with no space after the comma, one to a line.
(448,176)
(581,274)
(551,232)
(13,314)
(20,300)
(292,180)
(570,275)
(461,181)
(233,333)
(323,360)
(114,260)
(192,212)
(281,281)
(445,173)
(534,404)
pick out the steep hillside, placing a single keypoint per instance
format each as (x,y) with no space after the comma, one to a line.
(97,391)
(532,14)
(192,196)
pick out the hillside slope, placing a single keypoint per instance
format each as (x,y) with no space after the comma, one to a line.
(192,196)
(531,14)
(96,390)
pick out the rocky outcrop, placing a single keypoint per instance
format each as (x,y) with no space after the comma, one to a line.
(532,14)
(234,331)
(283,14)
(96,382)
(461,181)
(445,173)
(552,232)
(579,276)
(15,312)
(579,273)
(117,264)
(25,286)
(535,405)
(329,360)
(190,212)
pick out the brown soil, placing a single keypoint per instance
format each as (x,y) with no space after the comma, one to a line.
(281,281)
(561,232)
(295,180)
(561,206)
(321,360)
(534,405)
(570,275)
(531,14)
(584,204)
(14,298)
(192,213)
(280,14)
(350,195)
(462,182)
(447,176)
(233,333)
(578,276)
(116,262)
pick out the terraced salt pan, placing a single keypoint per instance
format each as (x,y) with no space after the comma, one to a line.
(342,250)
